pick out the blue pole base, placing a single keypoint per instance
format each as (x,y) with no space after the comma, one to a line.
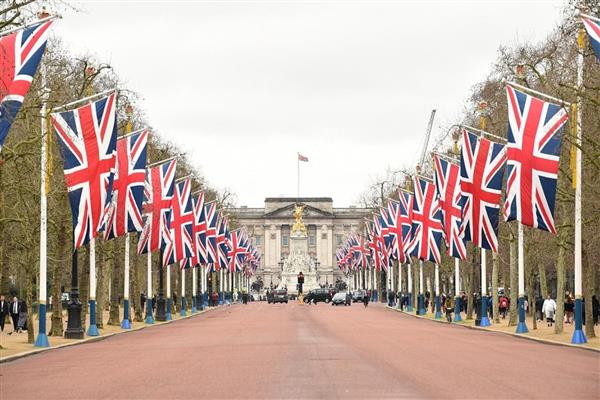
(182,311)
(438,314)
(457,305)
(375,295)
(485,321)
(125,324)
(149,317)
(578,337)
(438,309)
(194,310)
(169,314)
(421,305)
(42,340)
(522,328)
(409,308)
(93,330)
(220,298)
(205,299)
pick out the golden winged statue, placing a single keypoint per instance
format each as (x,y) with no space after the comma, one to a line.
(298,225)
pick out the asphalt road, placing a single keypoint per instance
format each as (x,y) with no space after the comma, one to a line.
(300,351)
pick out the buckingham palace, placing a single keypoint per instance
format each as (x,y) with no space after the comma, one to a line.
(327,228)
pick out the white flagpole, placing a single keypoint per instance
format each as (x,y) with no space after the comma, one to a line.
(182,312)
(578,334)
(42,338)
(126,324)
(457,305)
(149,316)
(93,329)
(438,313)
(298,179)
(168,314)
(194,289)
(522,326)
(409,306)
(399,283)
(421,303)
(485,321)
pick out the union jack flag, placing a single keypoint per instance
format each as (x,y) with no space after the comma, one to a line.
(395,231)
(406,212)
(362,253)
(124,212)
(481,173)
(181,243)
(222,242)
(533,150)
(593,29)
(199,230)
(374,244)
(210,213)
(447,187)
(20,55)
(88,141)
(237,250)
(158,194)
(426,229)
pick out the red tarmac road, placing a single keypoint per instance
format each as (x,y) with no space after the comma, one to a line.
(300,351)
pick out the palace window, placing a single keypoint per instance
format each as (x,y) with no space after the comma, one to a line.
(338,240)
(312,240)
(285,240)
(258,240)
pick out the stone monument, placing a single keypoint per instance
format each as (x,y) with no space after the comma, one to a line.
(298,259)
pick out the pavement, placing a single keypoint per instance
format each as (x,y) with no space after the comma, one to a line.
(297,351)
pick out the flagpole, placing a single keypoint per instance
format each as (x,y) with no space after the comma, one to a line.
(438,310)
(182,311)
(93,329)
(149,316)
(457,300)
(168,314)
(421,300)
(298,178)
(409,306)
(126,323)
(194,289)
(485,321)
(42,338)
(578,334)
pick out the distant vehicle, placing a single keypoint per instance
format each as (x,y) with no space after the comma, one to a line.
(318,295)
(358,296)
(341,298)
(279,296)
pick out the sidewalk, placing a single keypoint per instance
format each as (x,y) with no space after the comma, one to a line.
(543,333)
(15,345)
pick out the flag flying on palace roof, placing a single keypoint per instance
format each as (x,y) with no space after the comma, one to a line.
(88,139)
(20,55)
(533,150)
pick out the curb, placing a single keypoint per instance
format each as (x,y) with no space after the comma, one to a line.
(98,338)
(539,340)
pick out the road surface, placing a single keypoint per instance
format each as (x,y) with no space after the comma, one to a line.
(300,351)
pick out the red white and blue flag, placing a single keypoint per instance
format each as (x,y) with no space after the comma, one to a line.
(210,213)
(222,242)
(88,141)
(426,229)
(237,251)
(124,212)
(158,194)
(20,55)
(406,211)
(447,187)
(374,244)
(199,231)
(533,151)
(593,29)
(395,231)
(181,243)
(481,173)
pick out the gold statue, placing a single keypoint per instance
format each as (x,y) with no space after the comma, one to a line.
(298,225)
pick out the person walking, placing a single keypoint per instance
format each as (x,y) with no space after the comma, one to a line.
(366,298)
(449,307)
(14,314)
(22,324)
(569,308)
(503,306)
(548,309)
(4,311)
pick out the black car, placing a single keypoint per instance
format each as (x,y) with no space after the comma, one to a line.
(358,296)
(279,296)
(318,295)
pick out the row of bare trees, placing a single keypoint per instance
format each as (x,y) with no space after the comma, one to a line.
(68,77)
(547,66)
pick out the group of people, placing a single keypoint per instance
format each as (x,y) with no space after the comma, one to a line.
(17,310)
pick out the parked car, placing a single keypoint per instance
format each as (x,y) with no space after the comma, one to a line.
(341,298)
(318,295)
(279,296)
(358,296)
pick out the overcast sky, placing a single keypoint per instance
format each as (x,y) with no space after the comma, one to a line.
(245,85)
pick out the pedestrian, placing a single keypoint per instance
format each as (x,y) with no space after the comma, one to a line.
(14,314)
(539,304)
(503,306)
(595,309)
(366,299)
(4,311)
(569,308)
(22,324)
(549,308)
(449,307)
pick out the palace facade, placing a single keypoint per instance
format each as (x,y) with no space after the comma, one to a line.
(327,227)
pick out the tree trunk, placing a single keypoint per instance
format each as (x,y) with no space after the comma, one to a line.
(115,284)
(470,284)
(415,272)
(543,284)
(101,271)
(495,266)
(514,279)
(588,286)
(84,284)
(136,282)
(530,288)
